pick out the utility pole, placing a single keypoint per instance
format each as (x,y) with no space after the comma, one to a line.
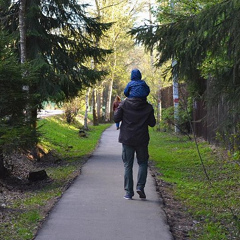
(175,85)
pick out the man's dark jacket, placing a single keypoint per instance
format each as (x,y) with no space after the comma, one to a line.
(136,115)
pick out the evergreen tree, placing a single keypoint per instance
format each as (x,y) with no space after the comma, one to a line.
(205,41)
(59,44)
(15,131)
(203,37)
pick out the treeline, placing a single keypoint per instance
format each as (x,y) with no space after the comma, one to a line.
(72,54)
(45,47)
(204,38)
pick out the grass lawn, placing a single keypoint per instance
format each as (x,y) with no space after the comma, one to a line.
(29,203)
(214,203)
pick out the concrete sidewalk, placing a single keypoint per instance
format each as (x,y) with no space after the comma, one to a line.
(93,208)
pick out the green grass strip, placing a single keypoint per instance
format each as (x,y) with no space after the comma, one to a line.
(71,151)
(215,204)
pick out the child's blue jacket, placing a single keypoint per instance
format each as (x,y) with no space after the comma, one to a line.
(136,88)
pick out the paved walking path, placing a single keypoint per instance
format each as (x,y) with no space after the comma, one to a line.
(93,208)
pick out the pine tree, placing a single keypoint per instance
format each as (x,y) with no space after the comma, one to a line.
(205,41)
(204,38)
(59,45)
(15,132)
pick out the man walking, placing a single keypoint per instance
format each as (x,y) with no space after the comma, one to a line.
(136,115)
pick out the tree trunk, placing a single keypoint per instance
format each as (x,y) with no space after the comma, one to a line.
(109,104)
(99,104)
(34,117)
(3,170)
(86,109)
(22,34)
(109,96)
(159,109)
(23,49)
(95,118)
(22,30)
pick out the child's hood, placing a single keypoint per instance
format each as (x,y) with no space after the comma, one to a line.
(136,75)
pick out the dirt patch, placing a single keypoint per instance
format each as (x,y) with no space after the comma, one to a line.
(179,221)
(17,186)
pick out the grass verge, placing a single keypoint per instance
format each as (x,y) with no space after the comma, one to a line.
(214,203)
(31,201)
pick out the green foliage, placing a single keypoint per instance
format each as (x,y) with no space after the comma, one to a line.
(71,108)
(60,44)
(168,122)
(57,134)
(117,63)
(230,140)
(204,38)
(209,32)
(22,225)
(213,204)
(167,119)
(15,129)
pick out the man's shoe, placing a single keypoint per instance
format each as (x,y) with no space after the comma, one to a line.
(128,197)
(141,193)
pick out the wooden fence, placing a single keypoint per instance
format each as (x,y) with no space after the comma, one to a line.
(207,119)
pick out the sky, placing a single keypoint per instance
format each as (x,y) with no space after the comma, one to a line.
(142,17)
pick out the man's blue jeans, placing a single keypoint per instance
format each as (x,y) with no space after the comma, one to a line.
(128,160)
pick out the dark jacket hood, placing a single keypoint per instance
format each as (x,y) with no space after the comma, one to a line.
(136,115)
(136,75)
